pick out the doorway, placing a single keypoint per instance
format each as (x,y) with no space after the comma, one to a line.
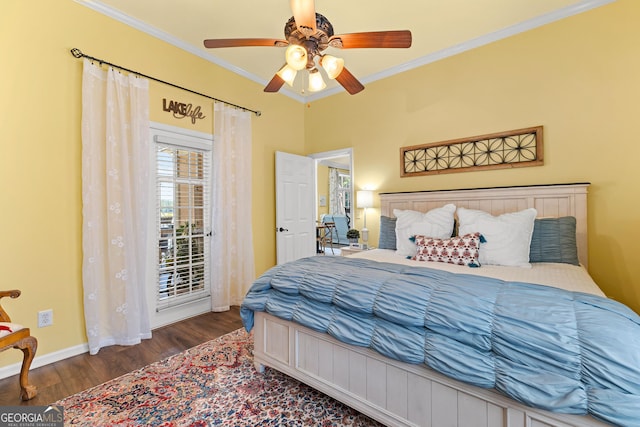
(296,210)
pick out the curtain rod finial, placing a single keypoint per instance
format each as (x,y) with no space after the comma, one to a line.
(76,52)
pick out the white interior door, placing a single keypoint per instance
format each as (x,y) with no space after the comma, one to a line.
(295,204)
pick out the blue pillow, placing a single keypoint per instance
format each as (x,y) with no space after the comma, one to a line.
(554,240)
(387,233)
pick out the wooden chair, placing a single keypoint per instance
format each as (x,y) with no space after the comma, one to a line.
(13,335)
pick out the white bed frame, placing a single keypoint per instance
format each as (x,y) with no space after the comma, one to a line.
(401,394)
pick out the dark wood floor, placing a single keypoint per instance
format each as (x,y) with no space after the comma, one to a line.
(61,379)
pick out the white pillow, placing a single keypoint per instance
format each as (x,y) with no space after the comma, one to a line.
(437,223)
(507,237)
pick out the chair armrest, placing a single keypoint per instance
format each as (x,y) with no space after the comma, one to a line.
(4,317)
(13,293)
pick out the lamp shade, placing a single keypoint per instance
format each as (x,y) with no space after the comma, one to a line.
(365,199)
(287,74)
(332,65)
(296,56)
(316,82)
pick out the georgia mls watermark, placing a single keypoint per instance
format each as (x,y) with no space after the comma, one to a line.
(32,416)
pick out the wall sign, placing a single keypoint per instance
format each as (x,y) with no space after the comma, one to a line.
(181,110)
(510,149)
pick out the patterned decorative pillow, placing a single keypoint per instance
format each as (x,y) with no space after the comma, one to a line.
(460,250)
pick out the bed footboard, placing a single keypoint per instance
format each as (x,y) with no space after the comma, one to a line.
(392,392)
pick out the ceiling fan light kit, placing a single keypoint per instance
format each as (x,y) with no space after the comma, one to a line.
(307,35)
(296,57)
(332,65)
(316,82)
(288,74)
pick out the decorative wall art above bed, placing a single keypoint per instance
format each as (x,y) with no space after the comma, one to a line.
(509,149)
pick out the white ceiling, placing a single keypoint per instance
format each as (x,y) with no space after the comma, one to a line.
(440,28)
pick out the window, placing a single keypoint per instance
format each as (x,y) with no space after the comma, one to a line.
(183,222)
(344,192)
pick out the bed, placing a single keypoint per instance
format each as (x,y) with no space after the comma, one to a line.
(455,384)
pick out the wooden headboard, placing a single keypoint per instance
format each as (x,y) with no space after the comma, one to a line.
(549,200)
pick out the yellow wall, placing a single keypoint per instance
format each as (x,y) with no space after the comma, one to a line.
(40,165)
(579,78)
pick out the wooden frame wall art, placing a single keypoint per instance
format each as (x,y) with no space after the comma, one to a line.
(509,149)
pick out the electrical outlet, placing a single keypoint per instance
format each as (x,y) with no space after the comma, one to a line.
(45,318)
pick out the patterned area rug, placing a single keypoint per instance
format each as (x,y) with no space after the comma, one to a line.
(213,384)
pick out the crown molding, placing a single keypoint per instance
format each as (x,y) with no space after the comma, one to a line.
(556,15)
(168,38)
(504,33)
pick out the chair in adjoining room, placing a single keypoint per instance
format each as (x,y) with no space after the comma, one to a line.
(13,335)
(329,234)
(340,227)
(324,236)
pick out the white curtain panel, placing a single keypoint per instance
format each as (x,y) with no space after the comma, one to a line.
(334,198)
(232,261)
(115,185)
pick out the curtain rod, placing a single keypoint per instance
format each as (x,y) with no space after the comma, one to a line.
(78,54)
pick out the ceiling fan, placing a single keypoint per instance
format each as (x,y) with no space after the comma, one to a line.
(307,35)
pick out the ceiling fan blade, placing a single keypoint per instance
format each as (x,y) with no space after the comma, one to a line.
(304,13)
(349,82)
(275,84)
(215,43)
(373,39)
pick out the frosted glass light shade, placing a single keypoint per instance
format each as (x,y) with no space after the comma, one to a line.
(296,57)
(316,82)
(332,65)
(287,74)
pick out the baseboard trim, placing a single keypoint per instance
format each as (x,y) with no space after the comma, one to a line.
(45,359)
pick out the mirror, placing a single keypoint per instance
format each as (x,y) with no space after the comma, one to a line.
(334,191)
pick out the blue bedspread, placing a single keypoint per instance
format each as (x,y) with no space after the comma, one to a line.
(548,348)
